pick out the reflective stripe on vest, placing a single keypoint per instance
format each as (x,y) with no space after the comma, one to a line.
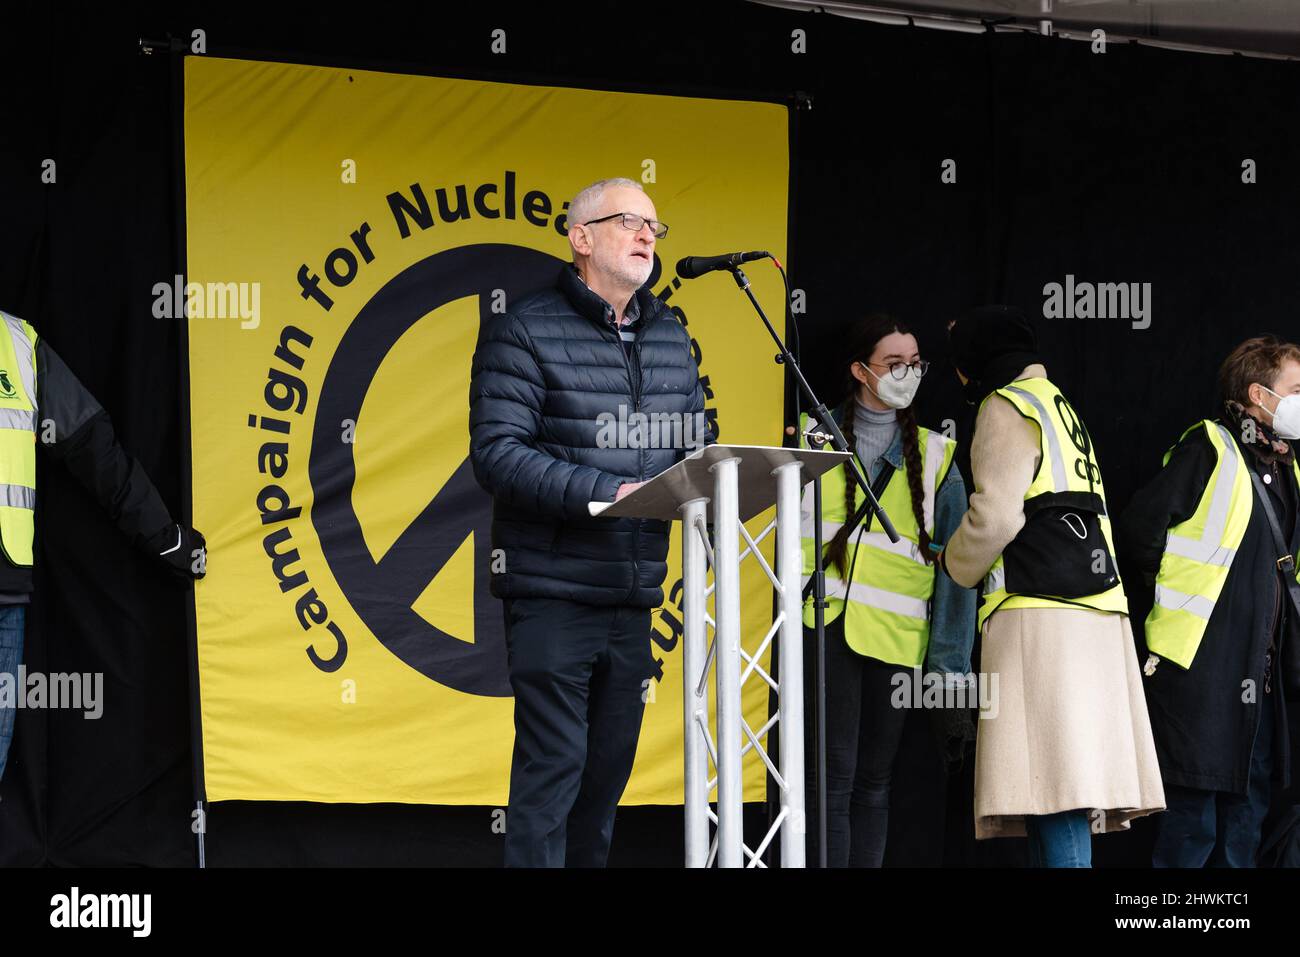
(918,608)
(17,496)
(18,416)
(17,419)
(1200,550)
(886,605)
(1197,605)
(1052,440)
(1040,401)
(1209,547)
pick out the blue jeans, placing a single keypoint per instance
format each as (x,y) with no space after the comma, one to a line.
(1219,828)
(1059,840)
(12,618)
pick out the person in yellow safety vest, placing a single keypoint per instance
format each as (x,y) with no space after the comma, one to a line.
(1223,625)
(43,405)
(894,614)
(1068,749)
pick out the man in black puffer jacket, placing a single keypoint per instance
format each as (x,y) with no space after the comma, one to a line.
(579,394)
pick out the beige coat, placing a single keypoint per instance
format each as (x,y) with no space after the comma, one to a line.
(1067,725)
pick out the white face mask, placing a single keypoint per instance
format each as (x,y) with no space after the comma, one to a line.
(1286,417)
(895,393)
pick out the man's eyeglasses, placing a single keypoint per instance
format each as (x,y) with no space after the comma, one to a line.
(899,370)
(633,222)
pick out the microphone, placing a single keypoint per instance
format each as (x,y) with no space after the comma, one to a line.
(691,267)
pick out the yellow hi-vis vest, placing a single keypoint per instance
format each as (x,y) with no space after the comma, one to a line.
(17,438)
(1199,552)
(1067,464)
(888,600)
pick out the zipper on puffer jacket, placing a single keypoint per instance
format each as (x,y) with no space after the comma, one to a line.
(634,383)
(640,458)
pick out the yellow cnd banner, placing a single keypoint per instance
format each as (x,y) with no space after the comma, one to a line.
(346,233)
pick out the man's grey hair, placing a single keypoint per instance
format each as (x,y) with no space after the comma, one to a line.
(587,203)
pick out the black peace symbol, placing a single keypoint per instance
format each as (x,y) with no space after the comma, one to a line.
(382,592)
(1078,434)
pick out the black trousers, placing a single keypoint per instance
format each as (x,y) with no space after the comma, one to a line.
(580,677)
(863,732)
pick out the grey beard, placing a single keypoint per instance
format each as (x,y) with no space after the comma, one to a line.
(628,279)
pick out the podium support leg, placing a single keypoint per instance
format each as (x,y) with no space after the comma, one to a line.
(695,690)
(789,570)
(726,578)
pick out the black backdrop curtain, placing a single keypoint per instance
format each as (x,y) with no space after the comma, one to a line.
(1116,167)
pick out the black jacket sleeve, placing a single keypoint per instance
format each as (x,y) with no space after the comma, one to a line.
(1168,499)
(75,430)
(506,392)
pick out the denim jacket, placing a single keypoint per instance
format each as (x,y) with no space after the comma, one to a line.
(952,607)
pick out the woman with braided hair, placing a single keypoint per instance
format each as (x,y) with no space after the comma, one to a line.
(888,613)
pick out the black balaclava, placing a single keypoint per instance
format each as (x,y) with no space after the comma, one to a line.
(991,345)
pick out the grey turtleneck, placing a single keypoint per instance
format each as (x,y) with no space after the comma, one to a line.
(873,433)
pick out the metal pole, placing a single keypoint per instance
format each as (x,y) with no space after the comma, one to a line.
(198,777)
(819,411)
(819,626)
(726,603)
(695,692)
(789,568)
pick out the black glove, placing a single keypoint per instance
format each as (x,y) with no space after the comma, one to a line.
(184,552)
(952,729)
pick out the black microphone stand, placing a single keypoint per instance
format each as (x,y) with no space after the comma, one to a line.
(825,421)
